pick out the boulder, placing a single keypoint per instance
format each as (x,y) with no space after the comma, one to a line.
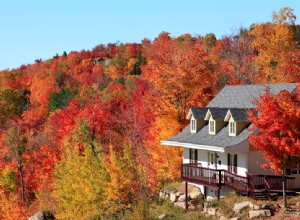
(238,207)
(235,218)
(162,216)
(180,204)
(181,198)
(179,193)
(259,213)
(223,218)
(254,207)
(173,197)
(42,215)
(212,211)
(196,195)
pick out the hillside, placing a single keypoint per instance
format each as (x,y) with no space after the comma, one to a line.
(80,132)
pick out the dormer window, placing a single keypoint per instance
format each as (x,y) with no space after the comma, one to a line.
(232,128)
(193,126)
(211,126)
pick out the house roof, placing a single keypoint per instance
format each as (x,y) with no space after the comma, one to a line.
(199,113)
(234,99)
(219,140)
(218,113)
(243,96)
(239,114)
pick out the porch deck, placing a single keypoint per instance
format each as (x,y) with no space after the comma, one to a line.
(215,178)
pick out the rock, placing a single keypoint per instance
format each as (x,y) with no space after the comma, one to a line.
(268,207)
(162,216)
(181,198)
(180,204)
(195,195)
(223,218)
(212,211)
(42,215)
(259,213)
(179,193)
(238,207)
(162,194)
(298,204)
(173,197)
(254,207)
(235,218)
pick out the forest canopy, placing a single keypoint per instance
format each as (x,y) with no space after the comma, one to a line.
(85,127)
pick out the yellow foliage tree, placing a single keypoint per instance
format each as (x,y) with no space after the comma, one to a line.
(79,187)
(123,181)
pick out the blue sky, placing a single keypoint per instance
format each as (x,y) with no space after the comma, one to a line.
(39,29)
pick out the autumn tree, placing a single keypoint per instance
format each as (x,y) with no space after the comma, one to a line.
(12,104)
(273,42)
(175,68)
(123,184)
(80,180)
(13,149)
(277,119)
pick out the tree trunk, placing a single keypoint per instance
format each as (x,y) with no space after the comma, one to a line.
(20,168)
(283,184)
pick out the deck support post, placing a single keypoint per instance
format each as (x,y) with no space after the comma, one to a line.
(205,195)
(219,193)
(186,195)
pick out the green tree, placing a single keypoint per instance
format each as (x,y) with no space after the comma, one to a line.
(61,99)
(12,103)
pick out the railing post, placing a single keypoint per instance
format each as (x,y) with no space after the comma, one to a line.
(186,195)
(220,178)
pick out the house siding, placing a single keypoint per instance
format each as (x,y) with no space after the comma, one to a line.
(256,158)
(242,160)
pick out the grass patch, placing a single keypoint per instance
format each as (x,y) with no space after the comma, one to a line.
(173,212)
(173,186)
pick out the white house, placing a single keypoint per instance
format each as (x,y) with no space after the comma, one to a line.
(217,156)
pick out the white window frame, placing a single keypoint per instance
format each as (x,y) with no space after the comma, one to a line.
(193,125)
(212,124)
(232,128)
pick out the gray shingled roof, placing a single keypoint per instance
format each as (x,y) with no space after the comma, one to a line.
(221,139)
(199,113)
(236,98)
(242,96)
(239,114)
(218,113)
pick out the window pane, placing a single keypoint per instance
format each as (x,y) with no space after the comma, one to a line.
(232,127)
(193,125)
(212,126)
